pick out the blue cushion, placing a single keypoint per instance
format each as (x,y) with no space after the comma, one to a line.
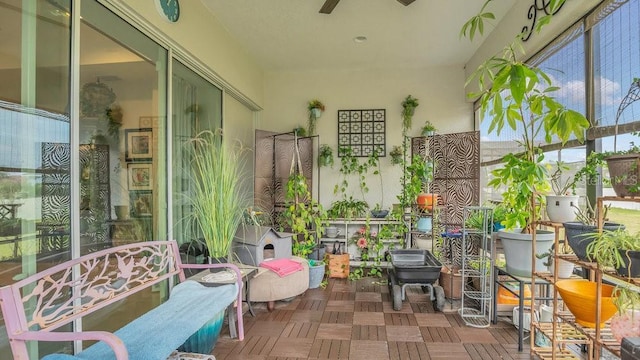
(154,335)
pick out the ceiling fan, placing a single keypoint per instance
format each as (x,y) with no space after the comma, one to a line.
(328,5)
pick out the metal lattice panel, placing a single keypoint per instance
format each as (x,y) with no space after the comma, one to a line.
(456,160)
(362,131)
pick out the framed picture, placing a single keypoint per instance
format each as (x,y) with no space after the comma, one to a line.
(139,176)
(139,144)
(141,203)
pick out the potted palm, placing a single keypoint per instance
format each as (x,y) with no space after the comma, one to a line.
(519,96)
(217,197)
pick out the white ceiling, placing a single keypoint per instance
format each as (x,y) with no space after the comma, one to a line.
(292,35)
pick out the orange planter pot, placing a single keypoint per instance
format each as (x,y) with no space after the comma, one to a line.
(579,296)
(427,201)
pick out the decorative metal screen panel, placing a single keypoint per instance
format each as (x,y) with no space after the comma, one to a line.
(456,173)
(362,131)
(273,153)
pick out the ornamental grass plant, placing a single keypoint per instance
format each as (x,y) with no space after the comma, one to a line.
(217,197)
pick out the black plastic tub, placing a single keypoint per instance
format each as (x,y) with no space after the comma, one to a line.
(415,266)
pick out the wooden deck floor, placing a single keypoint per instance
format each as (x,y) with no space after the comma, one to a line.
(355,320)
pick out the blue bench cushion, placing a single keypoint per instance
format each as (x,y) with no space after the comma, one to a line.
(154,335)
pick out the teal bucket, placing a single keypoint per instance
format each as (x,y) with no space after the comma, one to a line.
(316,274)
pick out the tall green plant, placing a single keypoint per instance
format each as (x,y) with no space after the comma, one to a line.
(517,95)
(217,197)
(303,215)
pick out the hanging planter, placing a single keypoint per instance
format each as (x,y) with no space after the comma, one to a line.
(409,106)
(624,172)
(428,129)
(325,156)
(315,107)
(397,155)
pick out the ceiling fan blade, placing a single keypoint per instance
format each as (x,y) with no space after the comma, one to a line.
(328,6)
(406,2)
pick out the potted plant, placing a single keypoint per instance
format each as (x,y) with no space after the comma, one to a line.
(428,129)
(626,322)
(303,216)
(300,131)
(617,249)
(348,208)
(409,105)
(565,268)
(370,245)
(561,206)
(218,197)
(325,156)
(315,108)
(373,162)
(350,166)
(396,154)
(517,95)
(316,274)
(579,232)
(623,165)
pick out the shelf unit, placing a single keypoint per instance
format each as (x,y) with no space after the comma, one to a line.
(558,333)
(348,227)
(568,331)
(476,302)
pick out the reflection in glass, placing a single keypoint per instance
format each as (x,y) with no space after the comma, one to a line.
(197,105)
(34,165)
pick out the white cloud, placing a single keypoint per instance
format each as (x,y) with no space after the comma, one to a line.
(610,91)
(574,90)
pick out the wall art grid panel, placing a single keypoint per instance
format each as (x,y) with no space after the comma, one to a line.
(362,131)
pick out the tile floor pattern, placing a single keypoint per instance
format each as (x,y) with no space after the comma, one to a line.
(355,320)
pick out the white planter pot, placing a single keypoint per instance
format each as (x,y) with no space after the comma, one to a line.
(560,208)
(316,113)
(565,269)
(517,250)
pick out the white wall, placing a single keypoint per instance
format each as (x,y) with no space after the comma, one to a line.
(439,91)
(199,31)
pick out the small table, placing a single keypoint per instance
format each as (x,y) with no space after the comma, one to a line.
(248,272)
(500,277)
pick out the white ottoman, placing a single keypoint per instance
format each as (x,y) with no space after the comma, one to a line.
(267,286)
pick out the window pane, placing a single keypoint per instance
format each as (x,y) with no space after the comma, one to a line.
(122,147)
(197,106)
(34,165)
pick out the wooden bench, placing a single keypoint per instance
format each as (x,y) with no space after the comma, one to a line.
(71,290)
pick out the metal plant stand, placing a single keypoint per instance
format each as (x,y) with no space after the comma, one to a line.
(476,268)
